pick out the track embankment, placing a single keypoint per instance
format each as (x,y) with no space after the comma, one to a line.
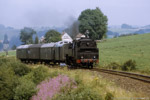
(135,76)
(129,81)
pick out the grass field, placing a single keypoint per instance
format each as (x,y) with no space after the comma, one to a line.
(136,47)
(10,53)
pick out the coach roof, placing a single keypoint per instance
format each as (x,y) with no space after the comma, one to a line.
(35,46)
(23,46)
(61,43)
(48,45)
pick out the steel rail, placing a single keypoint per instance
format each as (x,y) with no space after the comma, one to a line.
(135,76)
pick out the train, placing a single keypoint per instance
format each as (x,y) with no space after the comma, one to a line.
(78,53)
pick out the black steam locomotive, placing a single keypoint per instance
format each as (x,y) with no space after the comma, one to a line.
(82,52)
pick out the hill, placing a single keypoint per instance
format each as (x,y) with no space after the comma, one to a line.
(135,47)
(10,31)
(142,31)
(111,34)
(128,29)
(126,26)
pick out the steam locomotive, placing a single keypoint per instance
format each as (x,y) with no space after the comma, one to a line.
(79,53)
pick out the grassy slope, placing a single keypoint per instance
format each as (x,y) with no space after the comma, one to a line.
(121,49)
(10,53)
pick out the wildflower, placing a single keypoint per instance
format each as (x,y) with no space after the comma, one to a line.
(50,87)
(96,78)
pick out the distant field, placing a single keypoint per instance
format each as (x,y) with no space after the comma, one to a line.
(123,31)
(136,47)
(10,53)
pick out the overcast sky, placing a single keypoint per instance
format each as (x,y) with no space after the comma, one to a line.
(37,13)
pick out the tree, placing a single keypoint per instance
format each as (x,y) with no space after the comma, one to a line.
(52,36)
(6,44)
(1,46)
(14,47)
(36,40)
(26,35)
(95,22)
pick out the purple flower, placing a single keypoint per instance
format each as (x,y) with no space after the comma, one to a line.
(50,87)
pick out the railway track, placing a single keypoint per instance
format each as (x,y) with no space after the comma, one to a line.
(135,76)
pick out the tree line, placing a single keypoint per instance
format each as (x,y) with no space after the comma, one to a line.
(92,20)
(26,36)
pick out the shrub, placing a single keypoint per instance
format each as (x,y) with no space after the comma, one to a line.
(40,74)
(78,79)
(19,68)
(114,65)
(29,76)
(8,82)
(109,96)
(146,70)
(129,65)
(81,93)
(53,74)
(3,60)
(25,89)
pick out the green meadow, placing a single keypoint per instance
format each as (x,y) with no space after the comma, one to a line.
(10,53)
(119,50)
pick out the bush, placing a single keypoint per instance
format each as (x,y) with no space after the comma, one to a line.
(40,74)
(3,60)
(17,81)
(53,74)
(129,65)
(114,65)
(78,79)
(146,70)
(25,89)
(109,96)
(8,82)
(81,93)
(19,68)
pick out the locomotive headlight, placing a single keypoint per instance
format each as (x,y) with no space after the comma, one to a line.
(81,57)
(94,57)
